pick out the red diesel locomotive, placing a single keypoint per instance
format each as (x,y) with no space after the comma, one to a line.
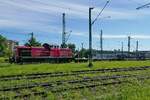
(47,53)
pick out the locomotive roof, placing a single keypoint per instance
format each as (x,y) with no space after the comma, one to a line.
(27,47)
(37,47)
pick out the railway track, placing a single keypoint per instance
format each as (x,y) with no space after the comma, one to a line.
(61,82)
(45,94)
(98,78)
(72,73)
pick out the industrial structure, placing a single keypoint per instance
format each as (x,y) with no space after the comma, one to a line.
(63,31)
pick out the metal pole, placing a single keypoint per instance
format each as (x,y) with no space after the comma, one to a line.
(101,43)
(129,39)
(78,54)
(90,39)
(137,47)
(122,48)
(82,49)
(32,35)
(63,31)
(90,31)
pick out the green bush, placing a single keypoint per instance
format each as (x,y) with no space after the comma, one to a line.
(2,59)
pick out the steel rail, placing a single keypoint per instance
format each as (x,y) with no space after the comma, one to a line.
(62,74)
(44,94)
(56,83)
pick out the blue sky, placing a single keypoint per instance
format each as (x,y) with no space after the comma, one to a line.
(18,18)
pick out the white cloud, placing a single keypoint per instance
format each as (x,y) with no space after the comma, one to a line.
(113,36)
(124,36)
(5,22)
(29,26)
(141,36)
(74,10)
(45,15)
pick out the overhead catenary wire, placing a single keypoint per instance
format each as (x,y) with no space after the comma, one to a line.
(139,3)
(100,12)
(90,31)
(144,6)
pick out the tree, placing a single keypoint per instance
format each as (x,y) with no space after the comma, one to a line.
(3,45)
(32,41)
(63,45)
(72,47)
(84,53)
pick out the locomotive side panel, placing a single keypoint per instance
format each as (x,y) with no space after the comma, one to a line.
(40,54)
(55,52)
(66,53)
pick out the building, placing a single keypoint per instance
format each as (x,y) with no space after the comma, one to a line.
(11,44)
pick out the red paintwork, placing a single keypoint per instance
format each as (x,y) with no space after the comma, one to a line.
(42,52)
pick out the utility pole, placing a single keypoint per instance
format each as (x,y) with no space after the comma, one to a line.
(63,31)
(90,31)
(78,54)
(32,34)
(82,49)
(122,48)
(137,47)
(90,38)
(101,43)
(129,40)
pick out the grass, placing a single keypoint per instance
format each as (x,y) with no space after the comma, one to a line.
(2,59)
(8,69)
(136,90)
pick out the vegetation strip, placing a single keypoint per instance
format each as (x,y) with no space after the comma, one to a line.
(52,84)
(43,94)
(73,88)
(58,74)
(88,86)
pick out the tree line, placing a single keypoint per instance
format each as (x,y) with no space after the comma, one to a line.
(32,41)
(4,51)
